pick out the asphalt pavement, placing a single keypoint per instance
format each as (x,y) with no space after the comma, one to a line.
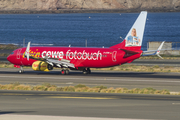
(28,105)
(88,105)
(170,81)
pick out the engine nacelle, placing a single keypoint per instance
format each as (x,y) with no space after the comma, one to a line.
(41,66)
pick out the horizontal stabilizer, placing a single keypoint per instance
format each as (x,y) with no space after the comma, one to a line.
(156,52)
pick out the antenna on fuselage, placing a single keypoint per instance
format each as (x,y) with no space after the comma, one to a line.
(121,38)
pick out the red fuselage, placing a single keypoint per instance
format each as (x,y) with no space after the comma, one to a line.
(80,57)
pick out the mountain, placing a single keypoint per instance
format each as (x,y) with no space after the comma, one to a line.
(58,5)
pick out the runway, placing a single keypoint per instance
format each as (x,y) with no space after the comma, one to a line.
(170,81)
(91,105)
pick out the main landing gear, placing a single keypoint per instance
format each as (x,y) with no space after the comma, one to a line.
(86,71)
(21,70)
(64,71)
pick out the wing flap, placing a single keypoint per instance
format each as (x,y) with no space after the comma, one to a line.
(61,63)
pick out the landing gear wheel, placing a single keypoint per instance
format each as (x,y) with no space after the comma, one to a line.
(64,72)
(67,72)
(21,70)
(86,71)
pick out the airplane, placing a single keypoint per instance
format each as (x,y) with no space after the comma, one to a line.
(83,58)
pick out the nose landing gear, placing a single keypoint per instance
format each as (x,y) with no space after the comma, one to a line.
(21,70)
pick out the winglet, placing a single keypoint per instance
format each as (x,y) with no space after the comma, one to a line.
(159,49)
(27,51)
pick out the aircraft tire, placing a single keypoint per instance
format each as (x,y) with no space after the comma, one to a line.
(21,71)
(63,72)
(87,71)
(67,72)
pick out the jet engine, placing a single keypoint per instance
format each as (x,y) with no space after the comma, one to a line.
(41,66)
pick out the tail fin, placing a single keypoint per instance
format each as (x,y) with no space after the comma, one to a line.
(134,38)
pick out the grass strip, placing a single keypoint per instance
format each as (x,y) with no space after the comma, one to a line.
(4,54)
(82,88)
(165,57)
(8,47)
(142,68)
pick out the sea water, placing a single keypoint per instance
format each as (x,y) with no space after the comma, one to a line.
(99,29)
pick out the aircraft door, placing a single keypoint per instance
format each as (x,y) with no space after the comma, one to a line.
(18,54)
(114,56)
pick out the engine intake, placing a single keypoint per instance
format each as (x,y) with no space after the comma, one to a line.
(50,67)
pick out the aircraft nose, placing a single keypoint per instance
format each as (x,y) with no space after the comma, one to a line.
(9,58)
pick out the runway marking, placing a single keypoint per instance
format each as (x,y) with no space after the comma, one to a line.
(49,96)
(101,79)
(100,98)
(46,117)
(176,103)
(70,83)
(31,99)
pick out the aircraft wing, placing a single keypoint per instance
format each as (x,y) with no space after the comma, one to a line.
(35,58)
(60,63)
(54,62)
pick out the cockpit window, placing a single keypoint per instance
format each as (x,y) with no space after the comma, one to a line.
(12,53)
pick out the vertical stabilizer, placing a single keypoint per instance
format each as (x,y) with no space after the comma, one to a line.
(134,37)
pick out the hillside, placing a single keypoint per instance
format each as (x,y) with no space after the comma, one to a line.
(58,5)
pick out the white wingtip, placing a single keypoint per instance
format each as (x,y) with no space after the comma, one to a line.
(27,51)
